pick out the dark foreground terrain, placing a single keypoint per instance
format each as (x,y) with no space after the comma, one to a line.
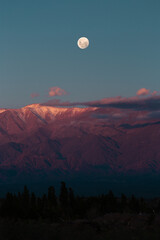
(25,216)
(112,226)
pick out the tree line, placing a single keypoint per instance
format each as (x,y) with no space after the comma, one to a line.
(68,206)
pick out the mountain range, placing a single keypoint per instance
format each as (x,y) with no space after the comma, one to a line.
(48,142)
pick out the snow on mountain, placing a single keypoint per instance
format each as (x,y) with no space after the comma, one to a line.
(49,113)
(2,110)
(102,141)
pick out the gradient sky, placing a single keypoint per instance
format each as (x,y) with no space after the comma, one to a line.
(38,49)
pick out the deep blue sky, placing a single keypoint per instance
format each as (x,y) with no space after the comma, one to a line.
(38,49)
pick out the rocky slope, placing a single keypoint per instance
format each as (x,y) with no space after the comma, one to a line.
(43,139)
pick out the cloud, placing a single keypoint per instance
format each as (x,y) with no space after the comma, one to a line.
(118,107)
(109,115)
(56,91)
(154,114)
(151,103)
(155,93)
(58,103)
(143,92)
(34,95)
(100,116)
(139,104)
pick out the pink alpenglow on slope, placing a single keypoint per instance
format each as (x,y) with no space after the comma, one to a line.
(56,91)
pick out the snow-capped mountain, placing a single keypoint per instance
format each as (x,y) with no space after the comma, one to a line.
(90,140)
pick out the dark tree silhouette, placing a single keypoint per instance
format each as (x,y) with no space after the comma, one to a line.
(26,197)
(134,204)
(52,200)
(68,206)
(71,198)
(123,203)
(33,206)
(111,202)
(63,197)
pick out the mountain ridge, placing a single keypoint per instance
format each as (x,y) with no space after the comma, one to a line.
(93,140)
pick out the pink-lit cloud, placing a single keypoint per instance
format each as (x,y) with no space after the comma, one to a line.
(155,93)
(134,103)
(118,107)
(143,92)
(34,95)
(56,91)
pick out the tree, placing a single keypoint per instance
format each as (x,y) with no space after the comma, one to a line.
(71,197)
(25,202)
(25,197)
(52,200)
(123,203)
(33,206)
(7,206)
(63,197)
(112,202)
(134,204)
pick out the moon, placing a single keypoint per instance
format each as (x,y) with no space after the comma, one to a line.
(83,42)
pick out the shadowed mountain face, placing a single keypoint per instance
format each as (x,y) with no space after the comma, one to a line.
(47,142)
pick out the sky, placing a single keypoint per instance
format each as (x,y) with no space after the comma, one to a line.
(40,59)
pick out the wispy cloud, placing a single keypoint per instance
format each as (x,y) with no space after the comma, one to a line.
(146,106)
(134,103)
(56,91)
(34,95)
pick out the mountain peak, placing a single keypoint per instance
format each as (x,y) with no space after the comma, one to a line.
(3,110)
(38,137)
(34,105)
(54,110)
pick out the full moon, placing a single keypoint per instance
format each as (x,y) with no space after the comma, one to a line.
(83,42)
